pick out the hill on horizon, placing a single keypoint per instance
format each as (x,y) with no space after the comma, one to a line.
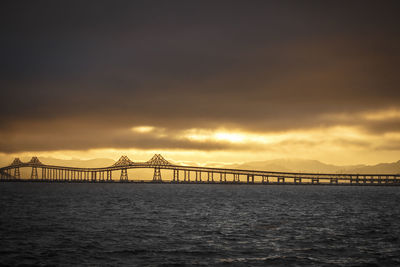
(303,165)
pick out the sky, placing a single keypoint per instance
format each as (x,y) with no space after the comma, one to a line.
(201,81)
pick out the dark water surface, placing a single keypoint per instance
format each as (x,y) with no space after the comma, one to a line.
(223,225)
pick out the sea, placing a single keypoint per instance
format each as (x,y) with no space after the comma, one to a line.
(83,224)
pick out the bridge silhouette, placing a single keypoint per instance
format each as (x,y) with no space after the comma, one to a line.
(184,174)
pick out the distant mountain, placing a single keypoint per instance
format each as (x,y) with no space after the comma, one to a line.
(381,168)
(301,165)
(288,165)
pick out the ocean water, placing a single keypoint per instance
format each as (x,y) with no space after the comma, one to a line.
(70,224)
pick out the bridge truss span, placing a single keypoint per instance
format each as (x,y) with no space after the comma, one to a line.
(41,172)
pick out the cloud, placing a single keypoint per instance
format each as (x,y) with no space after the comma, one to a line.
(80,76)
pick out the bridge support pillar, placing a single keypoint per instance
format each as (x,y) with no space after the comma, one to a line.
(43,174)
(93,176)
(157,175)
(334,181)
(281,180)
(265,179)
(297,180)
(109,176)
(314,180)
(222,177)
(34,174)
(175,178)
(210,178)
(236,178)
(17,173)
(250,178)
(198,176)
(101,176)
(186,176)
(124,175)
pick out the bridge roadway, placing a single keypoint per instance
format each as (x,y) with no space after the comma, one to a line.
(184,174)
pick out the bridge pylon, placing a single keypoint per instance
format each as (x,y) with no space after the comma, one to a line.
(250,178)
(123,161)
(109,176)
(124,175)
(17,173)
(157,175)
(222,177)
(158,160)
(16,161)
(34,173)
(175,176)
(35,161)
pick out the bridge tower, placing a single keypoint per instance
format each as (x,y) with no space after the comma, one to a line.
(157,175)
(16,164)
(34,174)
(124,175)
(34,162)
(17,173)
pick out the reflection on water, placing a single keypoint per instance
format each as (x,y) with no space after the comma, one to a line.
(156,224)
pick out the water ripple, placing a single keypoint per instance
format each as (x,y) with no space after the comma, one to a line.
(200,225)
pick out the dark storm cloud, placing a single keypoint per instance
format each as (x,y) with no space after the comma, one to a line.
(117,139)
(260,66)
(383,126)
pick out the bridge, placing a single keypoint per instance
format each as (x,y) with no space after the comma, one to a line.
(40,172)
